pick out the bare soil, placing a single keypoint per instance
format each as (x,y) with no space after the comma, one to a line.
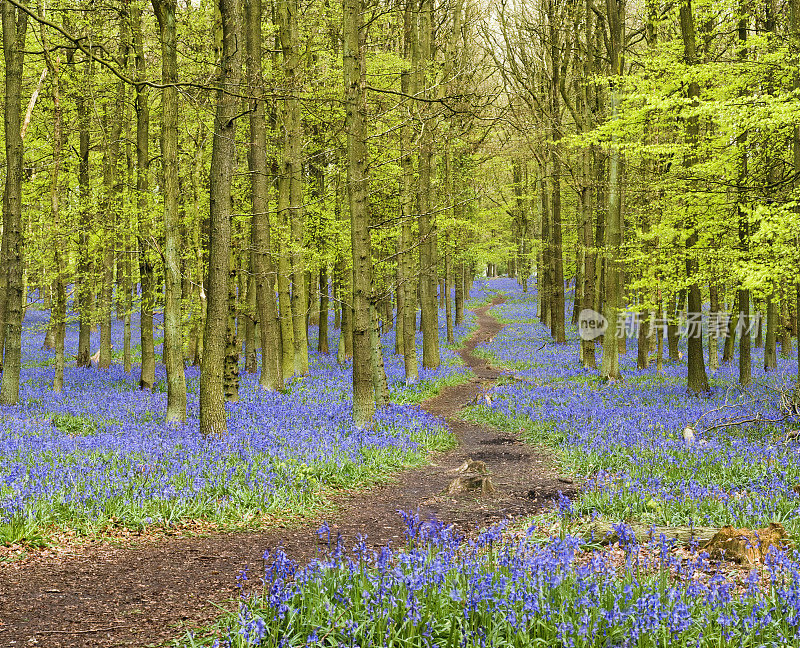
(107,596)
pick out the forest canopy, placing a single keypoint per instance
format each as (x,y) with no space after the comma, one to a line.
(248,167)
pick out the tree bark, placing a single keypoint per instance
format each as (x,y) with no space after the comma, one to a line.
(223,164)
(230,371)
(713,337)
(358,196)
(745,341)
(84,256)
(697,380)
(291,177)
(557,326)
(427,229)
(261,261)
(406,328)
(15,25)
(58,305)
(148,366)
(322,344)
(770,351)
(613,289)
(446,296)
(173,338)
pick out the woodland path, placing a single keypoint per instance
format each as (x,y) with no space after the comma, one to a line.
(109,596)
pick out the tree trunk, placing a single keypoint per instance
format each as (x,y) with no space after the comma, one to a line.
(784,324)
(112,187)
(380,386)
(261,261)
(322,344)
(697,380)
(223,163)
(745,342)
(173,338)
(770,351)
(15,24)
(613,289)
(148,366)
(427,232)
(84,279)
(745,339)
(446,295)
(406,327)
(713,331)
(588,358)
(291,182)
(358,196)
(459,294)
(545,292)
(230,371)
(730,338)
(557,326)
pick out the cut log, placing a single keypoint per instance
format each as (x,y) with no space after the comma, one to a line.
(746,546)
(602,531)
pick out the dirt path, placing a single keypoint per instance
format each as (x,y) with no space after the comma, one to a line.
(108,596)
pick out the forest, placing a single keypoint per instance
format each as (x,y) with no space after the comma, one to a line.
(415,323)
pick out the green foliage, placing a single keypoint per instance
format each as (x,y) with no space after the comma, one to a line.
(74,425)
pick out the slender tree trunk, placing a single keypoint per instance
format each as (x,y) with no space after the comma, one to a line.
(112,198)
(557,326)
(223,162)
(770,351)
(427,231)
(346,296)
(84,288)
(447,304)
(357,191)
(745,342)
(784,324)
(613,289)
(15,24)
(745,338)
(291,177)
(322,345)
(795,39)
(261,261)
(697,380)
(730,338)
(173,338)
(459,294)
(406,328)
(545,292)
(672,327)
(148,367)
(588,358)
(713,331)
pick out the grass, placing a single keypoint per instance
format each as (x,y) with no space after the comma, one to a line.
(424,389)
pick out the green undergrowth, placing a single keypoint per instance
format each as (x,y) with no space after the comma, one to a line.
(416,393)
(619,495)
(302,490)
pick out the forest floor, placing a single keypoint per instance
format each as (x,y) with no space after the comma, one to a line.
(111,595)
